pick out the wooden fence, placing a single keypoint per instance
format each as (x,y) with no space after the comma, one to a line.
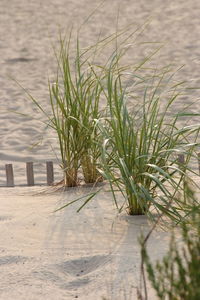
(29,174)
(50,172)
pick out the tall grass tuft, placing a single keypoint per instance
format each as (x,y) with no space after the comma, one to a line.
(135,142)
(75,105)
(74,99)
(141,143)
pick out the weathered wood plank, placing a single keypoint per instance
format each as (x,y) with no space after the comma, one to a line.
(181,159)
(30,174)
(50,173)
(9,175)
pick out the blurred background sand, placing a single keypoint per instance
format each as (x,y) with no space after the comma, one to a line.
(28,29)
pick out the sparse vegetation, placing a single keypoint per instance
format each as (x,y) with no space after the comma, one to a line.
(141,147)
(177,275)
(130,141)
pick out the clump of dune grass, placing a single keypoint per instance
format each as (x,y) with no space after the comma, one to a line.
(75,106)
(141,141)
(74,99)
(134,144)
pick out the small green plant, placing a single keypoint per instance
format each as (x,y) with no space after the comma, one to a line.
(177,275)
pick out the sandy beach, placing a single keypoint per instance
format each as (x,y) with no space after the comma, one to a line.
(95,253)
(67,255)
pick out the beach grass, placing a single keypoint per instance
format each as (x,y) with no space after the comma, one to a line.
(74,101)
(141,145)
(113,122)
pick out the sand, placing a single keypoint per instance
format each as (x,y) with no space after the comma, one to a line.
(68,255)
(94,253)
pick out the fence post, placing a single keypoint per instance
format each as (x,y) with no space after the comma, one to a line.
(181,162)
(9,175)
(29,173)
(50,174)
(181,159)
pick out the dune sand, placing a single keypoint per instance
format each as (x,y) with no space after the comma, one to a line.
(67,255)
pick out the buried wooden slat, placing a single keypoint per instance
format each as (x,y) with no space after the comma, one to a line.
(9,175)
(181,159)
(50,171)
(29,173)
(50,174)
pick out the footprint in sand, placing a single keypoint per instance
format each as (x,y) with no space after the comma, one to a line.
(5,260)
(83,265)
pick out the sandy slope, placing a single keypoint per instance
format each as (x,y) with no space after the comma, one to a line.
(66,255)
